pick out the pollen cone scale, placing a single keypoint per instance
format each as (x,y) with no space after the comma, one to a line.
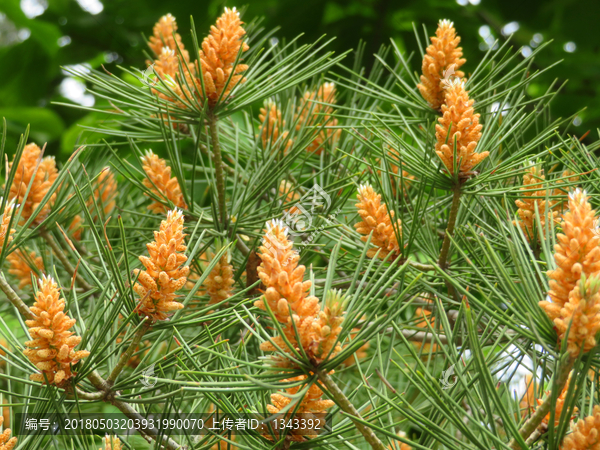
(576,252)
(579,319)
(311,406)
(52,348)
(159,181)
(442,60)
(164,274)
(376,219)
(327,328)
(315,111)
(272,127)
(165,36)
(6,232)
(218,55)
(458,130)
(20,266)
(283,277)
(173,68)
(585,433)
(105,192)
(559,405)
(39,173)
(534,199)
(6,442)
(111,443)
(219,282)
(286,293)
(536,194)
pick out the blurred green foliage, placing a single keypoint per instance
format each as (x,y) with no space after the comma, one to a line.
(32,49)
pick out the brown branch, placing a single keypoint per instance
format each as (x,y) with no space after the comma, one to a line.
(443,259)
(110,397)
(14,298)
(219,175)
(536,419)
(346,406)
(126,356)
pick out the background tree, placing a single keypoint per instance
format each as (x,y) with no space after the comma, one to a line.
(37,37)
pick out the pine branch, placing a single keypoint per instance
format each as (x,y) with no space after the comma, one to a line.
(241,246)
(218,163)
(109,396)
(349,409)
(14,298)
(126,356)
(539,431)
(542,410)
(90,396)
(443,259)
